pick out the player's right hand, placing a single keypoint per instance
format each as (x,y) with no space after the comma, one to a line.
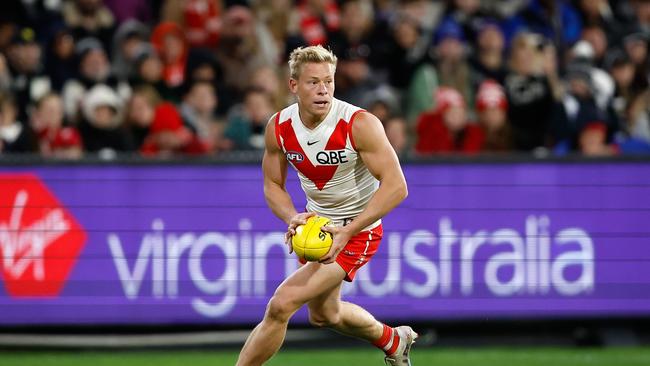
(297,220)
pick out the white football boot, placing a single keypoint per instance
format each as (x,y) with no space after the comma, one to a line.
(407,337)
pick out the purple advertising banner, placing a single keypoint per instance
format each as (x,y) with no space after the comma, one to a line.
(197,244)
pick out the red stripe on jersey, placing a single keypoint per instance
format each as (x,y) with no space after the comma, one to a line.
(337,140)
(354,146)
(319,174)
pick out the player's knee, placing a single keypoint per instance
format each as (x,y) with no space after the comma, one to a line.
(280,309)
(324,320)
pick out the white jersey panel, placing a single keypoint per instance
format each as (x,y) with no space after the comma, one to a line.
(337,183)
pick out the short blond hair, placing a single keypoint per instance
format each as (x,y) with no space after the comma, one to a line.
(303,55)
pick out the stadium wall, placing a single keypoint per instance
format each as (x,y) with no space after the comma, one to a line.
(194,243)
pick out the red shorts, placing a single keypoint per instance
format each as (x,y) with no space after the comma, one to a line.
(358,251)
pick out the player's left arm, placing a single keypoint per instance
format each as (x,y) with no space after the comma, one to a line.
(379,156)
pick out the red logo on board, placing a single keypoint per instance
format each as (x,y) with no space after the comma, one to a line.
(39,239)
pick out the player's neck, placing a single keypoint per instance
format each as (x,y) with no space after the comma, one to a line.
(310,120)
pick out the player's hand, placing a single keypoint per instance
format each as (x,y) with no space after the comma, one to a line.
(297,220)
(340,236)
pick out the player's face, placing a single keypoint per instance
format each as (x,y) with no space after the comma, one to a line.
(314,89)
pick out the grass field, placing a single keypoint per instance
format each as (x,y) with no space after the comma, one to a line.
(342,357)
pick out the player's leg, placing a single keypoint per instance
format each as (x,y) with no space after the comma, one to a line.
(350,319)
(327,310)
(308,282)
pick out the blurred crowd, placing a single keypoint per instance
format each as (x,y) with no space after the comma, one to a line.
(200,77)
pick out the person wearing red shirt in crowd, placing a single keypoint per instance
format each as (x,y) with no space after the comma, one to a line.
(67,144)
(446,129)
(316,19)
(168,136)
(492,111)
(202,22)
(170,43)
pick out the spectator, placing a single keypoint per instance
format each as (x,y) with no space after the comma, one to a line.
(129,39)
(168,136)
(101,127)
(382,102)
(406,52)
(596,37)
(354,79)
(245,46)
(61,64)
(450,54)
(170,43)
(316,18)
(427,13)
(637,117)
(94,69)
(581,107)
(492,111)
(148,69)
(283,25)
(140,112)
(530,97)
(89,18)
(446,128)
(201,20)
(198,112)
(46,120)
(636,46)
(396,131)
(592,140)
(202,65)
(246,123)
(556,20)
(15,136)
(487,62)
(583,55)
(29,82)
(468,14)
(266,78)
(620,67)
(67,144)
(356,35)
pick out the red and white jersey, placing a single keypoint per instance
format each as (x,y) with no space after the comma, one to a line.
(337,183)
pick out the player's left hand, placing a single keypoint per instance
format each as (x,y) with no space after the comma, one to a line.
(340,237)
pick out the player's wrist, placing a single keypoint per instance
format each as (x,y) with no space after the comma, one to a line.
(289,217)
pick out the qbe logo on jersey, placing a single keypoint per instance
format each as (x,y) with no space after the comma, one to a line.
(39,239)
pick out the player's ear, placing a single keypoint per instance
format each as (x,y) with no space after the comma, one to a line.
(293,85)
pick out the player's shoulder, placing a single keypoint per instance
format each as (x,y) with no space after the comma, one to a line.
(346,111)
(286,113)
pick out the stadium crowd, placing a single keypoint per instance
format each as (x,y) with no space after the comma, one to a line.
(167,77)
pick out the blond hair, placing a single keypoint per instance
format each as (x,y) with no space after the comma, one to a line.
(303,55)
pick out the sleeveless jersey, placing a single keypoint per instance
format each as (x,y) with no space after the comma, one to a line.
(337,183)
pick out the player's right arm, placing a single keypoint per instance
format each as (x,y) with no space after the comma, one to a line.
(274,167)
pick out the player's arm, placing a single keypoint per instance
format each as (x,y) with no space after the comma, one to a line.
(380,158)
(274,167)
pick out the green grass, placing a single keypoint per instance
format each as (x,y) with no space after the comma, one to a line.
(342,357)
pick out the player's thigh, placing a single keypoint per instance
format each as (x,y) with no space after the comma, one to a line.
(310,281)
(324,308)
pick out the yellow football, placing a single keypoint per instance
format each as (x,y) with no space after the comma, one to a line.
(310,242)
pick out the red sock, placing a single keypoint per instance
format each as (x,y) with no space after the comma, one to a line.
(389,340)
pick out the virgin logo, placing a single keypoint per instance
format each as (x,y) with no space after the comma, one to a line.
(39,239)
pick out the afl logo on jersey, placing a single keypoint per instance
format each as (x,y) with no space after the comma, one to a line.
(294,157)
